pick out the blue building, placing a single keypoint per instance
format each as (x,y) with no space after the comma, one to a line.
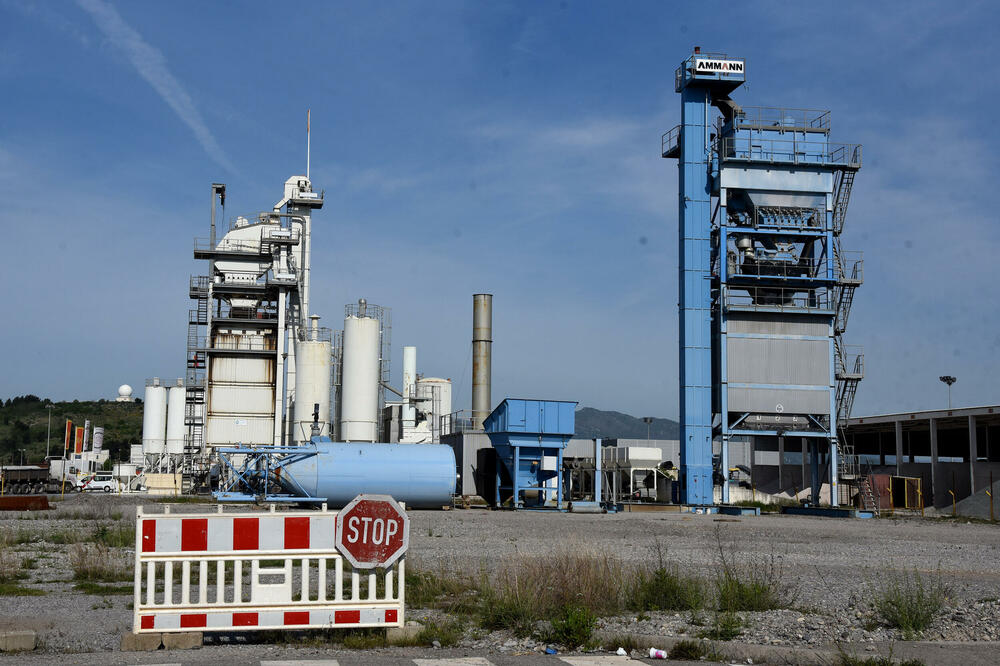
(765,288)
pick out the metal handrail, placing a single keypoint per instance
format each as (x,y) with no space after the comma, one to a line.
(775,298)
(783,117)
(228,245)
(670,139)
(460,421)
(803,268)
(850,356)
(850,266)
(792,151)
(242,343)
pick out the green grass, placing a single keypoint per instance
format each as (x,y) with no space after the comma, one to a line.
(724,627)
(15,590)
(572,626)
(689,650)
(447,633)
(99,589)
(907,602)
(750,582)
(666,589)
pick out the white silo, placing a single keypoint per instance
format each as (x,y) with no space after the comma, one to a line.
(434,399)
(154,417)
(312,382)
(360,380)
(175,418)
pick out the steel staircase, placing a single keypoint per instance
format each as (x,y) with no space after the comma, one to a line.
(842,196)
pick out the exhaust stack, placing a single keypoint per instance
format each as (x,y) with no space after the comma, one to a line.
(482,357)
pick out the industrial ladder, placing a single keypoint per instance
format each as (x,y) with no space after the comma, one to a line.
(867,495)
(845,181)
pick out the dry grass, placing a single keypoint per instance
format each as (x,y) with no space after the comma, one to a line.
(95,562)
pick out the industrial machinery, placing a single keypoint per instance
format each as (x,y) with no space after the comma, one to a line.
(765,288)
(529,437)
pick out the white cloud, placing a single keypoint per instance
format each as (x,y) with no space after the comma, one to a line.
(152,66)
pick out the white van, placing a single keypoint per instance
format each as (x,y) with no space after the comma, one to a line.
(100,481)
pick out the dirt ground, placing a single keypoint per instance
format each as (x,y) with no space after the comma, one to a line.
(832,564)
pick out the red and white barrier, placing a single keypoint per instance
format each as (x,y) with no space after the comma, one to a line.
(244,571)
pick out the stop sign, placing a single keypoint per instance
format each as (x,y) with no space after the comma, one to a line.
(372,531)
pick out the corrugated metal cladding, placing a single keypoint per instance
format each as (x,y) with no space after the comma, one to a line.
(239,429)
(235,369)
(250,399)
(793,401)
(801,325)
(779,361)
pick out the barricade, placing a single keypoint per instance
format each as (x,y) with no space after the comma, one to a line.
(242,571)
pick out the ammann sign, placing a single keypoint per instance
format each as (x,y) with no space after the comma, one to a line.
(718,66)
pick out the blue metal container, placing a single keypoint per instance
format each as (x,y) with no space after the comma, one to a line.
(524,433)
(421,475)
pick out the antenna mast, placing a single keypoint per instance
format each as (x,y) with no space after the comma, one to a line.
(308,146)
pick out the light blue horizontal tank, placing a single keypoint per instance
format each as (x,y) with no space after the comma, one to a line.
(422,475)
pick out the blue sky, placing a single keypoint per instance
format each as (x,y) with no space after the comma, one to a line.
(509,148)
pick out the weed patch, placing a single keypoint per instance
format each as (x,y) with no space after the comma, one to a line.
(906,602)
(666,589)
(572,626)
(689,650)
(100,590)
(15,590)
(94,562)
(725,627)
(750,583)
(447,634)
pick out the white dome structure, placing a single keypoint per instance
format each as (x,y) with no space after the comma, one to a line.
(125,394)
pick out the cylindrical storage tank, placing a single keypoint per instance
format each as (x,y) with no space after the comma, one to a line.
(359,383)
(175,418)
(98,439)
(409,386)
(154,417)
(422,475)
(435,401)
(312,386)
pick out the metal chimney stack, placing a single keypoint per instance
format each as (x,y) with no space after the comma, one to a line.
(482,357)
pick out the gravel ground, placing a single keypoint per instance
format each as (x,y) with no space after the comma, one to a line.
(832,564)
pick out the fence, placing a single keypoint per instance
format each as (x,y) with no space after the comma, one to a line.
(243,571)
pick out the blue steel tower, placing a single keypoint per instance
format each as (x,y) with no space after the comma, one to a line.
(765,288)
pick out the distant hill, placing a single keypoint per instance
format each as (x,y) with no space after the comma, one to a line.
(24,424)
(592,423)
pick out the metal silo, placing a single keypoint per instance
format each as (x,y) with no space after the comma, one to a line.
(154,417)
(360,387)
(175,418)
(312,381)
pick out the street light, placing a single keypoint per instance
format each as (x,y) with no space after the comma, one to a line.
(647,420)
(949,380)
(48,435)
(22,456)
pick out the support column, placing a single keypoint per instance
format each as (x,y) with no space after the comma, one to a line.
(597,471)
(805,463)
(814,467)
(834,473)
(781,463)
(724,463)
(899,448)
(934,461)
(881,451)
(973,454)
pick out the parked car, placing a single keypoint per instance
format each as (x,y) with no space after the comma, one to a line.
(100,481)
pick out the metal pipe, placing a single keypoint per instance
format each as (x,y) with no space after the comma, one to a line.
(482,361)
(409,386)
